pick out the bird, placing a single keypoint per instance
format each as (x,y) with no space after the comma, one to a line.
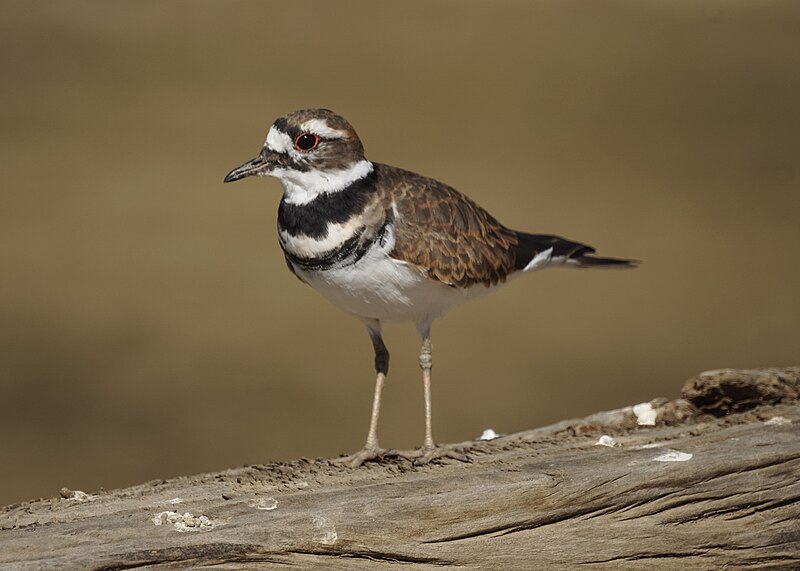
(387,244)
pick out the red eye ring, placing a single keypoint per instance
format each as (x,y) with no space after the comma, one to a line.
(306,142)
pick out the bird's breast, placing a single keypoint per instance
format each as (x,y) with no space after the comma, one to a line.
(335,229)
(332,237)
(361,277)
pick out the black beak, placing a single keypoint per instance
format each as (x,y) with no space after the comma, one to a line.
(255,166)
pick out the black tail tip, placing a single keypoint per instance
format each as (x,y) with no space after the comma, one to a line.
(587,261)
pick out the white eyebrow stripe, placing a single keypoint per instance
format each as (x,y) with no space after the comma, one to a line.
(320,127)
(278,141)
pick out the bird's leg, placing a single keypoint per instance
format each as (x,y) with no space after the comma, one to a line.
(426,364)
(371,450)
(429,450)
(372,435)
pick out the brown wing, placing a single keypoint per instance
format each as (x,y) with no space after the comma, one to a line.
(446,235)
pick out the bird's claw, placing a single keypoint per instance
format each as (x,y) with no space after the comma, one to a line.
(425,455)
(366,454)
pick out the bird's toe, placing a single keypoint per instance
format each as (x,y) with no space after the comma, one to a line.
(358,458)
(425,455)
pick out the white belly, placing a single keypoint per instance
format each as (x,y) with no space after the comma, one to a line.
(379,287)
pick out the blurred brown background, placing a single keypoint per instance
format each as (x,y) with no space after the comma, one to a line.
(149,327)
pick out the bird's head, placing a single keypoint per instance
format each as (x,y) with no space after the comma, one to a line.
(311,151)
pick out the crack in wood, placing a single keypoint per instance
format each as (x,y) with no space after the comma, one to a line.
(385,557)
(215,553)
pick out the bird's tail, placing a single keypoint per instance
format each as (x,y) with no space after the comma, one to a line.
(535,251)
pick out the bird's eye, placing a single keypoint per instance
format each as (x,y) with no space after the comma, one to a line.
(306,142)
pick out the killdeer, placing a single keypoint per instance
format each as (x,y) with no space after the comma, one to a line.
(383,243)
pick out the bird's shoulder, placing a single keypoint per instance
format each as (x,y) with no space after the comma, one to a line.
(443,233)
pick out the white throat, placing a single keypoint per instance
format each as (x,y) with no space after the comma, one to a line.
(303,187)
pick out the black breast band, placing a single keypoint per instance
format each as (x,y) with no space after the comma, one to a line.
(350,252)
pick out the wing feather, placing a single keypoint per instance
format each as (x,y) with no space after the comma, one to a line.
(445,234)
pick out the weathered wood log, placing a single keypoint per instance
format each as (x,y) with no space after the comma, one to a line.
(693,491)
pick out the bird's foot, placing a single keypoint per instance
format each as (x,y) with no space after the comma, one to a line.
(366,454)
(426,454)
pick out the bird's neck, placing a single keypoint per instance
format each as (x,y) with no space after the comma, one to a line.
(302,187)
(313,216)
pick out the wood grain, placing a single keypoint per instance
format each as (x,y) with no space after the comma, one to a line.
(548,498)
